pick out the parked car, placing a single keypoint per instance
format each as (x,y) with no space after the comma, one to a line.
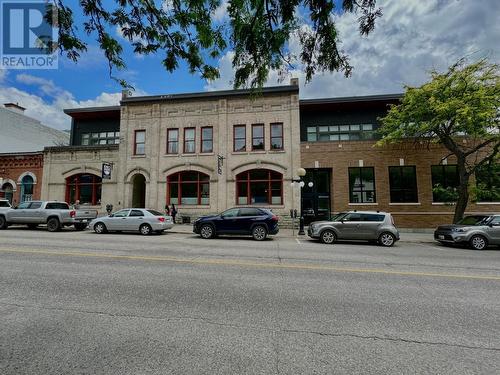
(478,231)
(4,205)
(142,220)
(257,222)
(356,225)
(55,214)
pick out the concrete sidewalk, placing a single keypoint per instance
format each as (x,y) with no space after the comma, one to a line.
(406,236)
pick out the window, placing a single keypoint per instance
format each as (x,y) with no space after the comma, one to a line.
(403,184)
(56,206)
(444,182)
(257,137)
(121,213)
(35,205)
(250,212)
(101,138)
(189,140)
(372,217)
(188,188)
(353,132)
(136,213)
(488,183)
(140,142)
(172,141)
(85,188)
(232,212)
(24,205)
(259,186)
(362,185)
(4,204)
(27,188)
(207,139)
(239,138)
(277,136)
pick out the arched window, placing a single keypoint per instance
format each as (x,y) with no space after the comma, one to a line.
(259,186)
(27,188)
(85,188)
(188,188)
(8,191)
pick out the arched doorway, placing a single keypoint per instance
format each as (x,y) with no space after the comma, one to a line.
(138,191)
(26,189)
(8,191)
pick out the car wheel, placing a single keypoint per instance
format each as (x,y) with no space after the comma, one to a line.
(3,222)
(145,229)
(478,242)
(53,225)
(80,226)
(100,228)
(328,236)
(207,231)
(259,233)
(386,239)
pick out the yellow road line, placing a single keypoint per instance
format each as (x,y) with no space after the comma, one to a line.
(227,262)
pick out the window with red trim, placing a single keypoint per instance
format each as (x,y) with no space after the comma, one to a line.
(258,142)
(189,140)
(172,141)
(277,136)
(140,142)
(239,138)
(207,139)
(188,188)
(259,186)
(85,188)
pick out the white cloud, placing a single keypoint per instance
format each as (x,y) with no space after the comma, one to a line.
(220,13)
(411,38)
(3,75)
(49,110)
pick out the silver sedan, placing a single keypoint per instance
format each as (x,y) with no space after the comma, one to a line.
(142,220)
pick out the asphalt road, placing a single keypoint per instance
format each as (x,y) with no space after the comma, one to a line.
(81,303)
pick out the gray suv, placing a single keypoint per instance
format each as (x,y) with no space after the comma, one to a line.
(356,225)
(478,231)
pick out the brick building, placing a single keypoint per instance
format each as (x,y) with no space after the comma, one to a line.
(21,176)
(349,172)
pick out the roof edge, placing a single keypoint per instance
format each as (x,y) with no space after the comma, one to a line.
(348,99)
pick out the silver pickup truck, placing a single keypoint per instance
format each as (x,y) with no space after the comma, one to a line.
(55,214)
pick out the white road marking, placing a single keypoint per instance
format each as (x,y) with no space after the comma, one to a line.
(298,241)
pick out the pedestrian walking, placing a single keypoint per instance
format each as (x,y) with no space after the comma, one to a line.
(173,212)
(167,210)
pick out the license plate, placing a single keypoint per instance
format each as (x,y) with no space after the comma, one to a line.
(441,237)
(84,221)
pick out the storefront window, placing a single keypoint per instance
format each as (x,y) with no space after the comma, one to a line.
(85,188)
(27,188)
(444,182)
(488,183)
(403,184)
(362,185)
(259,186)
(188,188)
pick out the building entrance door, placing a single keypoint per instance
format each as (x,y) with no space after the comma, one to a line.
(316,200)
(138,191)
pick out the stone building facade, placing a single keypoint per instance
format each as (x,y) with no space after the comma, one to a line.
(202,152)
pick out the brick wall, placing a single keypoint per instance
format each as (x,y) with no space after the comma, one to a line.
(339,156)
(13,167)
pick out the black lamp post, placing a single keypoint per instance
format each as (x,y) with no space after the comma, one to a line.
(301,172)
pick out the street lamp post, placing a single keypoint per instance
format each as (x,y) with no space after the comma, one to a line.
(301,172)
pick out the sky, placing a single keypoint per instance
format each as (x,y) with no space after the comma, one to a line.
(412,38)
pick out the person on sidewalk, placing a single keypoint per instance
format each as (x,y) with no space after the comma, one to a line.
(167,210)
(173,212)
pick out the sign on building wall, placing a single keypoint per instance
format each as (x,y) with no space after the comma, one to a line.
(220,163)
(106,171)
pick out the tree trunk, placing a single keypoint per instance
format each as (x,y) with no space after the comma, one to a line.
(463,191)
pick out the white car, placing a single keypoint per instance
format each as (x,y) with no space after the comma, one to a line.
(142,220)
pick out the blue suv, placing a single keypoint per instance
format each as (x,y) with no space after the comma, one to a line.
(258,222)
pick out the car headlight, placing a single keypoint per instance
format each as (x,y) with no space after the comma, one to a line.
(459,230)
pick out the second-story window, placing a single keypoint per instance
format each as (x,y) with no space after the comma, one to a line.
(277,136)
(189,140)
(239,138)
(140,142)
(172,141)
(258,137)
(207,139)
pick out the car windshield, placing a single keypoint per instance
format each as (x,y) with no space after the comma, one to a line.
(473,220)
